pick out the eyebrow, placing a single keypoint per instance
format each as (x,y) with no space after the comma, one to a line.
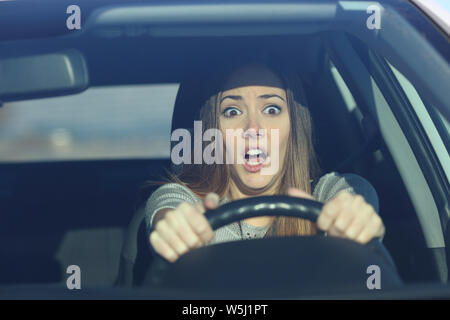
(264,96)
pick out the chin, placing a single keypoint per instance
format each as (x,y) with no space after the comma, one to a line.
(255,180)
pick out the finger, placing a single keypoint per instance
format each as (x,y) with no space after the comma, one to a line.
(182,228)
(371,230)
(199,207)
(197,222)
(211,200)
(294,192)
(336,233)
(166,232)
(381,229)
(351,206)
(162,247)
(330,211)
(361,220)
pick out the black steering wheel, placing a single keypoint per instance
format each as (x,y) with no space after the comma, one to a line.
(311,259)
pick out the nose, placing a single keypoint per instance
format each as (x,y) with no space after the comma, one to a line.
(253,129)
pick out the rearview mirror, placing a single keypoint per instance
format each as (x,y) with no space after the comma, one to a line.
(43,75)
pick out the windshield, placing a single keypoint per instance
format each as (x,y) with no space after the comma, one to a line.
(114,113)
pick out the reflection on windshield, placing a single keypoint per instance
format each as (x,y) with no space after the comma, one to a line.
(115,122)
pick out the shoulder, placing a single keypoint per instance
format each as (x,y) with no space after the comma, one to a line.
(329,185)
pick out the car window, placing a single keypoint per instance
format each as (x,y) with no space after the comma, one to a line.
(100,123)
(442,125)
(436,127)
(343,89)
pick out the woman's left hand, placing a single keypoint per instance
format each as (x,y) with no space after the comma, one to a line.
(347,216)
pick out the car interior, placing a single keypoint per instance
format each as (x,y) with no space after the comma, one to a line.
(90,212)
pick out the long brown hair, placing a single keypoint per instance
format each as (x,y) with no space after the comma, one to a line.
(300,163)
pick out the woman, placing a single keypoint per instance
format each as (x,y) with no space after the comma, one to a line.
(255,96)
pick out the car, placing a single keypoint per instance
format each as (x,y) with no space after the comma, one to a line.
(91,91)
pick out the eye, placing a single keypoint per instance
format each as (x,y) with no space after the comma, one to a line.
(231,112)
(272,109)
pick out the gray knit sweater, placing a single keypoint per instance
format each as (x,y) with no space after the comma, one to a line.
(171,195)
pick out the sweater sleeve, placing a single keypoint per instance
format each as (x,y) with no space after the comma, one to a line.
(169,195)
(332,183)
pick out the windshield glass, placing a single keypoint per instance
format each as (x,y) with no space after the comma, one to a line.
(114,114)
(100,123)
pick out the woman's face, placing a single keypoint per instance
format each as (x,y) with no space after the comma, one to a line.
(254,98)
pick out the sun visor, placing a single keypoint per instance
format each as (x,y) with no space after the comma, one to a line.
(211,20)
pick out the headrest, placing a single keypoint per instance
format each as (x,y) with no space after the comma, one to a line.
(188,102)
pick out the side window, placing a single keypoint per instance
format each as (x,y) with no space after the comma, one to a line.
(434,124)
(343,89)
(346,94)
(352,107)
(100,123)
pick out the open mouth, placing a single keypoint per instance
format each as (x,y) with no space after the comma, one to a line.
(254,157)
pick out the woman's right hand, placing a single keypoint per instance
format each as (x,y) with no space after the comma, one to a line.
(181,229)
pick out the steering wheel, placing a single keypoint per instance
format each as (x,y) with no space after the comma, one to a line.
(311,259)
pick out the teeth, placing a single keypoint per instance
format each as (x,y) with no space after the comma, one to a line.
(254,152)
(255,157)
